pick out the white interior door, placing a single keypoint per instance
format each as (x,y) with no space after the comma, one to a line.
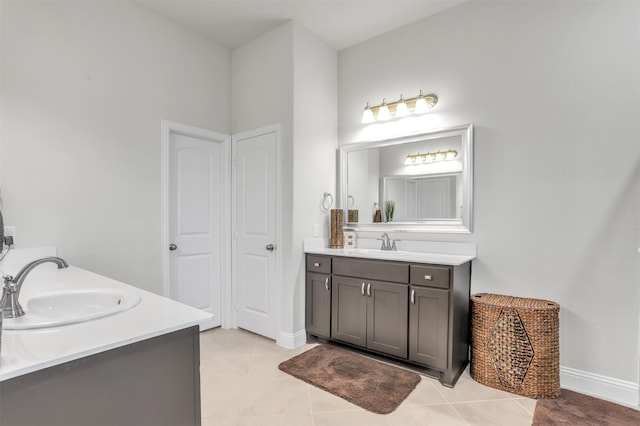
(196,222)
(255,249)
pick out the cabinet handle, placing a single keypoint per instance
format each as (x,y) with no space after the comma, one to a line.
(362,288)
(326,283)
(369,289)
(413,297)
(427,277)
(317,264)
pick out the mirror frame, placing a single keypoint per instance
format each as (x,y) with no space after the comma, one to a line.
(463,225)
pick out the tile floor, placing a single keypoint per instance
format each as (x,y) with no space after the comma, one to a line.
(242,385)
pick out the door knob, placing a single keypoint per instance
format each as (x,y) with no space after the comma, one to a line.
(270,247)
(172,247)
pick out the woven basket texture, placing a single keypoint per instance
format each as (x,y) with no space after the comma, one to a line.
(336,239)
(515,344)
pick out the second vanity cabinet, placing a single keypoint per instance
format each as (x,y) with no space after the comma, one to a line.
(413,312)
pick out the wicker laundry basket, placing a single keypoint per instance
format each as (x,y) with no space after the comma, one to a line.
(515,345)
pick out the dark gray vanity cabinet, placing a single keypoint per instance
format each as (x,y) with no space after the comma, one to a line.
(366,311)
(439,318)
(318,312)
(386,318)
(318,296)
(428,325)
(370,314)
(349,314)
(418,313)
(151,382)
(429,315)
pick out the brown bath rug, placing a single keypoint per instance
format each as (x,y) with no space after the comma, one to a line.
(572,408)
(372,385)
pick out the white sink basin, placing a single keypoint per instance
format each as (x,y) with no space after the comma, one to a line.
(382,253)
(70,307)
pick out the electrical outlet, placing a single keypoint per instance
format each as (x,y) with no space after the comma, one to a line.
(10,231)
(316,230)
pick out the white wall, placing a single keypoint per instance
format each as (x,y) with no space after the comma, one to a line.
(315,140)
(84,87)
(553,91)
(262,94)
(288,76)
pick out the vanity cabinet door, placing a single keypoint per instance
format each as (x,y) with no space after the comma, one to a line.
(349,311)
(428,326)
(387,318)
(318,305)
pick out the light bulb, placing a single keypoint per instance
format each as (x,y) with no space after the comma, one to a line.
(367,115)
(411,159)
(421,105)
(383,112)
(401,108)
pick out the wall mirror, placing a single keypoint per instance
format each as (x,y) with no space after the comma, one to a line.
(421,182)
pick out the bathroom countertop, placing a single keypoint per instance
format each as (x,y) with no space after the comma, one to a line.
(399,256)
(26,351)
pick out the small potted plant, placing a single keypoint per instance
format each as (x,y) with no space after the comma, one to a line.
(389,208)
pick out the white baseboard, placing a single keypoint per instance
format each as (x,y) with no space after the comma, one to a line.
(615,390)
(292,340)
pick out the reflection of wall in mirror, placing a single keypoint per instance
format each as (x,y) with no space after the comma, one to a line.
(423,197)
(362,180)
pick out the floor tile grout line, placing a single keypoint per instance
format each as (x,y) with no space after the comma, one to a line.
(313,420)
(439,391)
(459,414)
(482,401)
(523,407)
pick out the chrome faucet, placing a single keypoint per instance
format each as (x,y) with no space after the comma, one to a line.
(387,243)
(11,292)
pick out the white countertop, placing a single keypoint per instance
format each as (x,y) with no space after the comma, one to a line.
(26,351)
(400,256)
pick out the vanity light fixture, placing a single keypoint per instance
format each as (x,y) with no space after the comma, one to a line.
(430,157)
(400,108)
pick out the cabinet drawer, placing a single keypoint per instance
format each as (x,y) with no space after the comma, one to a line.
(319,264)
(371,269)
(432,276)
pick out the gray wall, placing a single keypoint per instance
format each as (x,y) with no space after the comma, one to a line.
(84,89)
(553,91)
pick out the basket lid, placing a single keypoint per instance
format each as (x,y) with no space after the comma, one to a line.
(502,301)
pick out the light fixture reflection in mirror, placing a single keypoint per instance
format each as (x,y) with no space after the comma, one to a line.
(429,157)
(435,162)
